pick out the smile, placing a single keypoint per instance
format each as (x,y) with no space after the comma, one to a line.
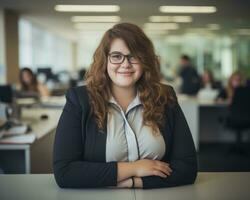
(125,73)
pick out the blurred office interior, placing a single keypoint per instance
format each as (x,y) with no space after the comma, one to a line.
(56,40)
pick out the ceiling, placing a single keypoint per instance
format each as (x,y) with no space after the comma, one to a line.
(230,15)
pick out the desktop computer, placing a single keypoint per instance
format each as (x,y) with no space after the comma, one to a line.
(6,94)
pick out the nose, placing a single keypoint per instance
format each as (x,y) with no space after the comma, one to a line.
(126,63)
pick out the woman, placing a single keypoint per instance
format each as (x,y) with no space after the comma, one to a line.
(29,83)
(124,128)
(208,80)
(234,81)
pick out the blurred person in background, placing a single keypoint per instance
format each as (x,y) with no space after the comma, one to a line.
(208,81)
(190,80)
(209,87)
(29,84)
(234,81)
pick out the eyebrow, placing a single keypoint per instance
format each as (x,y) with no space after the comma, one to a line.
(118,52)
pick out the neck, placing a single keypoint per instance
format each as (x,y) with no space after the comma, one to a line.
(123,95)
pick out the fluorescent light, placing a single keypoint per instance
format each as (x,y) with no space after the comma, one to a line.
(94,26)
(177,19)
(187,9)
(95,19)
(87,8)
(161,26)
(213,27)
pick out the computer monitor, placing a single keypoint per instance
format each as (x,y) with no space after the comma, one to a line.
(6,94)
(47,71)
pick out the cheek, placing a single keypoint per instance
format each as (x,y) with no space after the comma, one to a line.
(111,70)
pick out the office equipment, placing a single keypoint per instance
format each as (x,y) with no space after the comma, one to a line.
(47,71)
(44,117)
(207,94)
(18,129)
(6,94)
(21,139)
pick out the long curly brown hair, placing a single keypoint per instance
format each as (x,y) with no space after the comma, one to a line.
(153,95)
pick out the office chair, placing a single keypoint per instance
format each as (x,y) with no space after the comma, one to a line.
(238,118)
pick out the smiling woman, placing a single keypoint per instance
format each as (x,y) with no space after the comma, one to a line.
(123,128)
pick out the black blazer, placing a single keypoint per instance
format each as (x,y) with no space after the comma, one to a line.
(80,148)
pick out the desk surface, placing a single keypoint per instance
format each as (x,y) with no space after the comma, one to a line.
(41,187)
(208,186)
(215,186)
(40,128)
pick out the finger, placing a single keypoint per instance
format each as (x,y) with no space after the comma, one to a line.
(163,170)
(168,168)
(159,173)
(165,165)
(161,163)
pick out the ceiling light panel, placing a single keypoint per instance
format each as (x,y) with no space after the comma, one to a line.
(114,19)
(87,8)
(177,19)
(187,9)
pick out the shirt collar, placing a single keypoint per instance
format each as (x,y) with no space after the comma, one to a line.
(135,102)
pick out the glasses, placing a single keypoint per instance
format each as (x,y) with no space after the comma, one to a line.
(118,58)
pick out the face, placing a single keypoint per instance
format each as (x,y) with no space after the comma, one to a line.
(206,77)
(184,62)
(26,76)
(236,81)
(125,74)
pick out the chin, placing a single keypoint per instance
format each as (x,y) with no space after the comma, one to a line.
(125,85)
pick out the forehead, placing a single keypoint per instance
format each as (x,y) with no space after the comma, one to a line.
(26,73)
(237,76)
(119,45)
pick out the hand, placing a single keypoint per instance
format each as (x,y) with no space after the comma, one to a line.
(127,183)
(138,182)
(147,167)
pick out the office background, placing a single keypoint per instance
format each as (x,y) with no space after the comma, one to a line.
(58,47)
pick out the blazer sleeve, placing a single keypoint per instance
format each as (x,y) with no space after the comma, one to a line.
(183,160)
(70,170)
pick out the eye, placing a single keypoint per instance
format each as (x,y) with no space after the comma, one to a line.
(133,59)
(116,56)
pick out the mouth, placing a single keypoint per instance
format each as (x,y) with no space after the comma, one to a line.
(125,73)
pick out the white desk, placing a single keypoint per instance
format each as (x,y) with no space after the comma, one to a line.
(211,186)
(215,186)
(36,187)
(25,157)
(53,102)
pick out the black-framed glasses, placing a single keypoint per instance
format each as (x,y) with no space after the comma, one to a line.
(118,58)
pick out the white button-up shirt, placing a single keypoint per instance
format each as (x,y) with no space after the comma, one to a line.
(128,139)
